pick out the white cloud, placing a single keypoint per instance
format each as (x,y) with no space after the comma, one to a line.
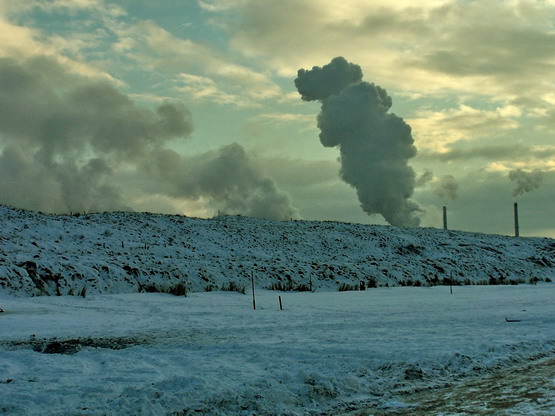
(159,50)
(205,89)
(434,130)
(22,42)
(490,48)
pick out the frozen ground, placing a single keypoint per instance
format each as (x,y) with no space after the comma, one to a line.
(130,252)
(514,391)
(326,353)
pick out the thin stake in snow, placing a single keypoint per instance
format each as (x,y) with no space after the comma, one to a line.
(253,297)
(280,304)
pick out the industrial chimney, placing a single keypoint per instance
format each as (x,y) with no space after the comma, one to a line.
(516,221)
(444,217)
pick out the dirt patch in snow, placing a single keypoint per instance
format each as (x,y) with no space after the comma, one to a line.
(528,389)
(74,345)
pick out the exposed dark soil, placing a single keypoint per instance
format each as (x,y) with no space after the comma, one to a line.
(74,345)
(528,389)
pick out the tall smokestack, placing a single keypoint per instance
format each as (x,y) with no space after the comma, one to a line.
(444,217)
(516,221)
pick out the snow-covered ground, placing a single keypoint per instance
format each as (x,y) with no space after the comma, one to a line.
(130,252)
(327,352)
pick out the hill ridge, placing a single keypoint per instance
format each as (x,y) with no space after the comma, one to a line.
(121,252)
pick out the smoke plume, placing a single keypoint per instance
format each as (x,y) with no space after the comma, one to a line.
(226,178)
(66,142)
(424,178)
(525,181)
(447,187)
(375,145)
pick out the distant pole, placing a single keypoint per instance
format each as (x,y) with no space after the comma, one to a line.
(517,233)
(280,304)
(253,298)
(444,217)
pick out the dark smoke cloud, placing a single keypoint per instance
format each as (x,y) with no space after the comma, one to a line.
(447,187)
(63,137)
(227,178)
(424,178)
(525,181)
(375,145)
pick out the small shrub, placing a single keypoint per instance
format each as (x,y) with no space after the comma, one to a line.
(345,287)
(493,281)
(303,287)
(280,286)
(83,292)
(178,290)
(233,287)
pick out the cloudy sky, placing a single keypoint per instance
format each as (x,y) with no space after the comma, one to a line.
(191,107)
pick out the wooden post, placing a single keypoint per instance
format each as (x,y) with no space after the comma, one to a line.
(253,297)
(280,304)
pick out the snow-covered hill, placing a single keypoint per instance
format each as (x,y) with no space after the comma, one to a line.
(128,252)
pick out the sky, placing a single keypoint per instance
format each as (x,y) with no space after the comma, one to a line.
(198,108)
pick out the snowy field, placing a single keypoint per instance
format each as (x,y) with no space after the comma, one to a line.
(326,353)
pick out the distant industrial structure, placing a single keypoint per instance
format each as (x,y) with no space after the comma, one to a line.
(517,232)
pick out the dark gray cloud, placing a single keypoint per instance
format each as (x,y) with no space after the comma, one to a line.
(61,143)
(424,178)
(319,83)
(375,145)
(87,115)
(525,181)
(447,187)
(60,139)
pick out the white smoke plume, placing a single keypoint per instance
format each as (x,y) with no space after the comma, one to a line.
(64,139)
(525,181)
(375,145)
